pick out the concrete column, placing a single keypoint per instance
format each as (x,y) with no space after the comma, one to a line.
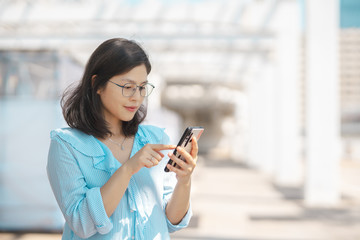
(287,95)
(257,118)
(261,119)
(322,103)
(268,162)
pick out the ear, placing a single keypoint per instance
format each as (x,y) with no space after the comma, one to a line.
(92,83)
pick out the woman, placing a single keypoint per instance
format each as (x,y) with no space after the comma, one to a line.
(107,170)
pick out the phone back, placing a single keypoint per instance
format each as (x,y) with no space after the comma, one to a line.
(185,142)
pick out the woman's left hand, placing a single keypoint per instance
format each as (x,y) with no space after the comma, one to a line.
(184,169)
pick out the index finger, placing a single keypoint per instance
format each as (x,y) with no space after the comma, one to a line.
(159,147)
(194,148)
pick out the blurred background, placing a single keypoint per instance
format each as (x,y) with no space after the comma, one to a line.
(275,83)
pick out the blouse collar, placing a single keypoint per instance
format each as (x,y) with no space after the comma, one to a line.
(92,147)
(82,142)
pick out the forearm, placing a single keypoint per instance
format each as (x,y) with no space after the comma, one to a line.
(113,190)
(179,202)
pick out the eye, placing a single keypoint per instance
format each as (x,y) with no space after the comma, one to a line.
(129,86)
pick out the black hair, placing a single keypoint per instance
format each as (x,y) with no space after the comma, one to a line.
(82,107)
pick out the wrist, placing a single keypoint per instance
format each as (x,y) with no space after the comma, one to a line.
(127,169)
(184,181)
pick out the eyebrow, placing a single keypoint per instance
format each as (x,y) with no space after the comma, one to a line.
(132,81)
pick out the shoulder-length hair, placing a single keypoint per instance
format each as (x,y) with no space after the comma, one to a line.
(82,107)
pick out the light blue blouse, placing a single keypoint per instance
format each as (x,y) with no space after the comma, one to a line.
(79,164)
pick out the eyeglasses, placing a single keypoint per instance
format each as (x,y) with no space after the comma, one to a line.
(129,89)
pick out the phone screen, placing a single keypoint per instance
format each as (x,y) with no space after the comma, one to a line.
(185,142)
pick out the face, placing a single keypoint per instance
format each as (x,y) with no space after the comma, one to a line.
(116,107)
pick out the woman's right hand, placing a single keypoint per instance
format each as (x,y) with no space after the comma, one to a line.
(148,156)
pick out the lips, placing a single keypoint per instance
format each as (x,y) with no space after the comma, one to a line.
(131,109)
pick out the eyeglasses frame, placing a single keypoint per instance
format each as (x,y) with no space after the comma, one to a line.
(137,87)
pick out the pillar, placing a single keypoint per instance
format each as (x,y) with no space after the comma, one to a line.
(322,103)
(288,169)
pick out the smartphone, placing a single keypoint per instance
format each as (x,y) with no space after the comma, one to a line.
(185,142)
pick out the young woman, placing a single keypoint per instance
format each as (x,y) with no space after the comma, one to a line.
(107,170)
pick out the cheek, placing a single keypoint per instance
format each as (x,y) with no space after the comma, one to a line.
(108,101)
(109,96)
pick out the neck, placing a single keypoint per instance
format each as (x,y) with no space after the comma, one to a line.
(116,129)
(117,134)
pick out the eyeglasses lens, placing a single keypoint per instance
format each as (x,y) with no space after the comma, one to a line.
(129,89)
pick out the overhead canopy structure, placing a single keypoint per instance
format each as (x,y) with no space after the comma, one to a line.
(199,39)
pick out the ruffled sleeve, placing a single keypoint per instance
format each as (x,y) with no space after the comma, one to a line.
(81,206)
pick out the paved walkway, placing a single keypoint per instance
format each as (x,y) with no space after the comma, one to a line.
(233,202)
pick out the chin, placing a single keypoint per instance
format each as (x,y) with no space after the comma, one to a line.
(128,118)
